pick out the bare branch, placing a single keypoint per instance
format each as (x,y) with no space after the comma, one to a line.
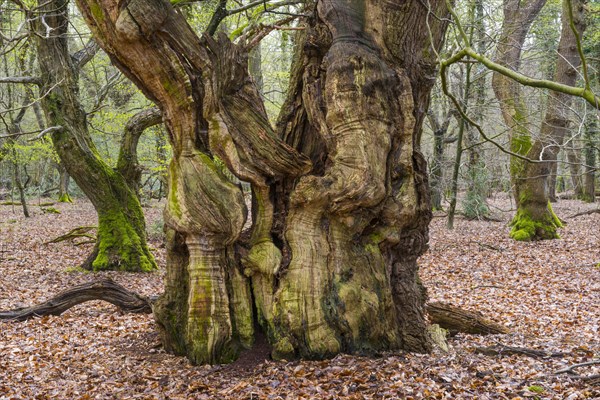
(40,132)
(21,79)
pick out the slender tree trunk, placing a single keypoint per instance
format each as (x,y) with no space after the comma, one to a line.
(575,171)
(121,242)
(63,185)
(518,17)
(474,204)
(161,157)
(436,174)
(17,179)
(459,150)
(341,206)
(589,175)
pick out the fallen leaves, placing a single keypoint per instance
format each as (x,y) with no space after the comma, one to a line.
(547,293)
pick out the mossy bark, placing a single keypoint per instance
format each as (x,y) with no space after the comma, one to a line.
(340,200)
(121,242)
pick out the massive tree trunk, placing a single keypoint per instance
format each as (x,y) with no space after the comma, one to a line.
(340,206)
(535,219)
(121,242)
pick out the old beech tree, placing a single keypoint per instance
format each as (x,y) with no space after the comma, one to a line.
(340,205)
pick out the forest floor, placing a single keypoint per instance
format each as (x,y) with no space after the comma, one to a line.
(547,294)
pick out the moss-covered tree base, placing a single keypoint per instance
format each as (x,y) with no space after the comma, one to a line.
(526,227)
(120,247)
(65,198)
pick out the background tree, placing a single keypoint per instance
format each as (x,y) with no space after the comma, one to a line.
(534,218)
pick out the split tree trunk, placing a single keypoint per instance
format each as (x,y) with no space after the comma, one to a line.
(121,243)
(340,200)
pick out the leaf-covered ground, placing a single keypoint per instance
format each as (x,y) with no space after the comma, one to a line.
(547,293)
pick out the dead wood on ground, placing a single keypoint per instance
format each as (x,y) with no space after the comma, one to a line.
(456,320)
(105,289)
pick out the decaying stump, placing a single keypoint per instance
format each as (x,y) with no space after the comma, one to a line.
(458,320)
(105,289)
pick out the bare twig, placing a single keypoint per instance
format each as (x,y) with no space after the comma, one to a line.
(570,370)
(588,212)
(502,350)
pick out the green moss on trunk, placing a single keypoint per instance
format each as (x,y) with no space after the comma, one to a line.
(65,198)
(120,246)
(527,228)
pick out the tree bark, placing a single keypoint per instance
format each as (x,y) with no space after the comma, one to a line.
(456,320)
(121,243)
(340,201)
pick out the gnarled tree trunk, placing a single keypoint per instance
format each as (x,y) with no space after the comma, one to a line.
(121,242)
(340,201)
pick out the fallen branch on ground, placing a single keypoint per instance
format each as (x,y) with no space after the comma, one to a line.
(105,289)
(81,231)
(588,212)
(570,370)
(502,350)
(458,320)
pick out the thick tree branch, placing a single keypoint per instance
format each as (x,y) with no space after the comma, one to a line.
(85,55)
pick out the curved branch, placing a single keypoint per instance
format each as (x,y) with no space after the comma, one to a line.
(105,289)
